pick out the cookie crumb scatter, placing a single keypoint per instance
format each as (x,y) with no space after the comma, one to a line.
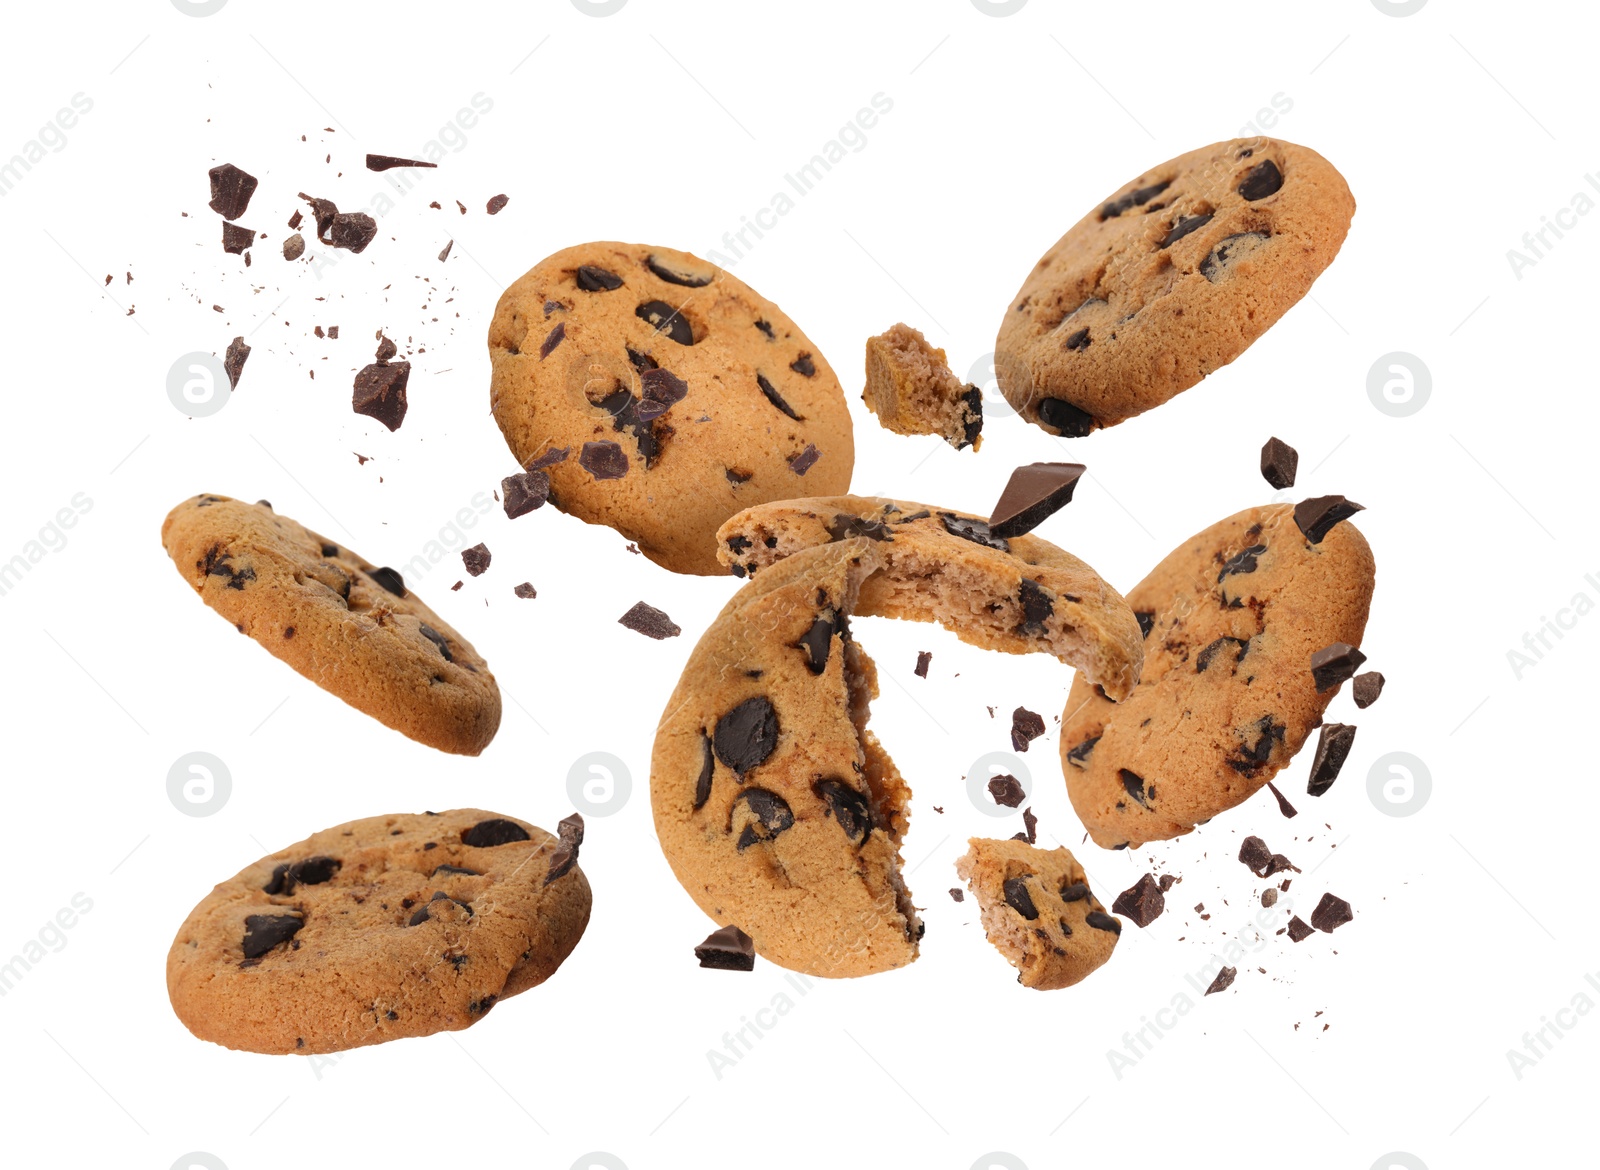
(650,621)
(910,388)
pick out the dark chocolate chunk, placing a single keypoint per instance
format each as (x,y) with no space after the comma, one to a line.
(330,550)
(1067,419)
(236,239)
(231,189)
(1078,756)
(565,855)
(494,831)
(309,871)
(549,459)
(592,279)
(389,579)
(1036,607)
(956,894)
(437,639)
(1168,881)
(352,230)
(1183,227)
(1333,664)
(604,460)
(526,591)
(233,361)
(1252,757)
(818,640)
(384,162)
(924,658)
(1133,784)
(552,339)
(1034,492)
(1279,461)
(279,882)
(736,475)
(771,812)
(775,398)
(1135,198)
(1229,249)
(686,279)
(1243,561)
(1284,806)
(1262,180)
(262,932)
(1255,855)
(659,391)
(640,361)
(972,416)
(970,528)
(1074,892)
(765,327)
(447,870)
(1030,824)
(1298,930)
(666,320)
(849,807)
(650,621)
(1331,913)
(380,392)
(523,492)
(476,559)
(1079,339)
(1208,655)
(1007,790)
(1146,619)
(727,949)
(1026,726)
(496,204)
(1223,981)
(1317,516)
(1333,748)
(708,768)
(1366,688)
(386,348)
(1018,898)
(804,366)
(806,460)
(1102,921)
(747,735)
(1141,903)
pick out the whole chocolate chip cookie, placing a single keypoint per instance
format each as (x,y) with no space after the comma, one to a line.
(1019,595)
(1167,280)
(1227,696)
(1038,912)
(379,929)
(661,395)
(350,627)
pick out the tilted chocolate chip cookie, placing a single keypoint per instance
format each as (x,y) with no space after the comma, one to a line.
(661,395)
(1038,911)
(1168,280)
(1231,618)
(1019,595)
(379,929)
(353,629)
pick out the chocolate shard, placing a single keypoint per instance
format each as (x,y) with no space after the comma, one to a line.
(818,640)
(233,361)
(1255,855)
(924,658)
(1068,420)
(957,895)
(262,932)
(1026,726)
(770,392)
(1317,516)
(1279,461)
(1284,806)
(1222,646)
(1133,784)
(665,319)
(497,204)
(1034,492)
(746,735)
(231,189)
(1007,790)
(437,639)
(770,815)
(526,591)
(492,832)
(1138,197)
(1037,607)
(236,239)
(848,806)
(686,279)
(1018,898)
(380,392)
(708,768)
(523,492)
(1366,688)
(1078,756)
(1030,825)
(1183,227)
(549,459)
(593,279)
(1331,913)
(727,949)
(552,339)
(1262,180)
(1103,921)
(1243,561)
(1333,664)
(1142,902)
(1333,748)
(1298,930)
(650,621)
(384,162)
(659,391)
(1223,981)
(604,460)
(806,460)
(476,559)
(975,530)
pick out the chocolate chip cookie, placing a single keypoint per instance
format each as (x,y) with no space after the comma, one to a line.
(1038,912)
(1167,280)
(379,929)
(1019,595)
(352,628)
(1232,619)
(661,395)
(912,391)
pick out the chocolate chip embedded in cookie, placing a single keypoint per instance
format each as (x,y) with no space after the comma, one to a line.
(379,929)
(1038,912)
(681,394)
(912,391)
(1235,614)
(1169,280)
(351,627)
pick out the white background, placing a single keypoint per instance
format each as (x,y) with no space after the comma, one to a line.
(1459,129)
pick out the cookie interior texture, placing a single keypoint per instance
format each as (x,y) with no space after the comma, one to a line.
(912,391)
(1022,595)
(1038,911)
(1227,696)
(661,395)
(379,929)
(776,807)
(1168,279)
(353,628)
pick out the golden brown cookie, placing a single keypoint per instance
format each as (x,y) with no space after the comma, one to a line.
(1227,697)
(1038,911)
(912,391)
(1169,279)
(350,627)
(1020,595)
(661,395)
(379,929)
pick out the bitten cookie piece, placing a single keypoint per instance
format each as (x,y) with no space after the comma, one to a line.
(1038,912)
(350,627)
(1227,696)
(379,929)
(1020,595)
(1169,279)
(661,395)
(912,391)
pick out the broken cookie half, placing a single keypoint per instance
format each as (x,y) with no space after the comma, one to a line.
(912,391)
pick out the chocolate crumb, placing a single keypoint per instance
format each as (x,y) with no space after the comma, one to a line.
(1223,981)
(650,621)
(1007,790)
(924,657)
(476,559)
(1026,726)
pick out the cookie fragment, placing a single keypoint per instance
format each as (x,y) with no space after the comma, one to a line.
(524,492)
(1316,517)
(650,621)
(727,949)
(380,392)
(231,189)
(1279,461)
(1333,748)
(1332,665)
(1366,688)
(476,559)
(1331,913)
(1034,492)
(1026,726)
(1142,902)
(912,391)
